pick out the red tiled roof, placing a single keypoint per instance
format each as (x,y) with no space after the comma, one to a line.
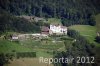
(44,29)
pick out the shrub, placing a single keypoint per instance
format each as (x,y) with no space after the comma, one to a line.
(97,39)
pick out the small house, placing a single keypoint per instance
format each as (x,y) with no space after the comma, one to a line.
(57,29)
(14,37)
(45,30)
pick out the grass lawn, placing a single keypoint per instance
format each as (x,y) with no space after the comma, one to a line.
(85,30)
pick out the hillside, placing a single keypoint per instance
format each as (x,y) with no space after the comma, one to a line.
(52,8)
(85,30)
(23,42)
(65,12)
(8,47)
(74,11)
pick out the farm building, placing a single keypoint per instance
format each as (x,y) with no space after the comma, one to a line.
(14,37)
(54,29)
(57,29)
(45,30)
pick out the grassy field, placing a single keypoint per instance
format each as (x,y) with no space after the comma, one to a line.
(54,21)
(8,47)
(85,30)
(43,48)
(97,18)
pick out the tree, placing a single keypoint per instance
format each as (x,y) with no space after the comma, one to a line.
(72,33)
(4,58)
(97,39)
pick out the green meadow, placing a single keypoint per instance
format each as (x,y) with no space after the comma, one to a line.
(85,30)
(54,21)
(8,47)
(42,48)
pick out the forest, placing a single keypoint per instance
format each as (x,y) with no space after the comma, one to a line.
(70,11)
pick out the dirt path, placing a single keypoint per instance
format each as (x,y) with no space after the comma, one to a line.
(27,62)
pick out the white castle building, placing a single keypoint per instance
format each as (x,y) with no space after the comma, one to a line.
(57,29)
